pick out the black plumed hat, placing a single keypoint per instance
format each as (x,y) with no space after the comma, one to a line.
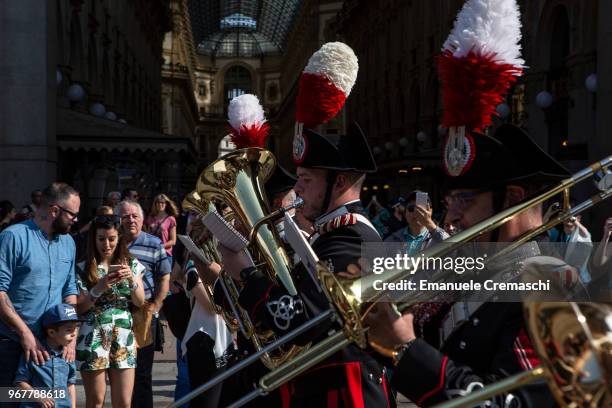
(476,160)
(349,152)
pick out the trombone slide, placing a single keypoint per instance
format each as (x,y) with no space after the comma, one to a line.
(491,390)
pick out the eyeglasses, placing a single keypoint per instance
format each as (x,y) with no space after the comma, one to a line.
(127,217)
(107,219)
(410,208)
(462,200)
(73,215)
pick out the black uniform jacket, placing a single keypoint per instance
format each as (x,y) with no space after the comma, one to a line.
(492,345)
(352,377)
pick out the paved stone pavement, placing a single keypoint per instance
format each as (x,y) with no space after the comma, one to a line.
(164,378)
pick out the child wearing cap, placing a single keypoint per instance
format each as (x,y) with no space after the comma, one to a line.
(60,324)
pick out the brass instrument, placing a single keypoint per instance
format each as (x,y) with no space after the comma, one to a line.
(352,300)
(237,179)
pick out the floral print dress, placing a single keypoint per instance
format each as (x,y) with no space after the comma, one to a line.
(106,339)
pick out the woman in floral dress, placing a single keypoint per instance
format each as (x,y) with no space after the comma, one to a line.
(108,279)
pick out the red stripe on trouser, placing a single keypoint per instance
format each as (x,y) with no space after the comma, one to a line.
(440,385)
(384,384)
(285,395)
(332,399)
(353,377)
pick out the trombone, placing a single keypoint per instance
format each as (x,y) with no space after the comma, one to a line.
(352,302)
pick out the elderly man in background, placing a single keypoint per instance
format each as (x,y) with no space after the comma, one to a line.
(150,252)
(37,259)
(113,198)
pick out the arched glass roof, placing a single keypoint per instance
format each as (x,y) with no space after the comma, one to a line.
(242,28)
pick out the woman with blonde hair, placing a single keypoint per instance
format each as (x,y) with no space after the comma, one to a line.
(108,279)
(161,222)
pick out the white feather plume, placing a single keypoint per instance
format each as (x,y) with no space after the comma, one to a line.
(338,63)
(488,27)
(245,110)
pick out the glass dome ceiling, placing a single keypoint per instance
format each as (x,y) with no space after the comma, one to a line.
(242,28)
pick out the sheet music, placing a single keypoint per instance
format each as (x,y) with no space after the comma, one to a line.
(225,232)
(194,249)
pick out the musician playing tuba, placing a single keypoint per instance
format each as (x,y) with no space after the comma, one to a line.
(330,171)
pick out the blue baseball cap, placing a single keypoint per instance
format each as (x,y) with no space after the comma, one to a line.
(59,314)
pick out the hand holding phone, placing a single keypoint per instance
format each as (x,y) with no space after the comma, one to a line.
(113,273)
(422,199)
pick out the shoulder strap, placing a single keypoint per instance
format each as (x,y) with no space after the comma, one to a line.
(341,221)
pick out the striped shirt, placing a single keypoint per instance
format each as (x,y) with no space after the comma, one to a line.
(148,249)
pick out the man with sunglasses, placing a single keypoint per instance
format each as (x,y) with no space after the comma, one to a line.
(421,231)
(37,259)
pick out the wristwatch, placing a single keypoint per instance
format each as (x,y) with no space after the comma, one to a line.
(134,286)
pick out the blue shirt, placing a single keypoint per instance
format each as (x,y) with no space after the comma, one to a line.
(35,272)
(150,252)
(412,244)
(54,373)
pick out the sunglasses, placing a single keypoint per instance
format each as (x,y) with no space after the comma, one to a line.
(73,215)
(462,200)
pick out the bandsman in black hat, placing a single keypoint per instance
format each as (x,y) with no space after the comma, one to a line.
(330,171)
(447,350)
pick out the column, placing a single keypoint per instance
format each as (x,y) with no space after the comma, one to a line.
(28,153)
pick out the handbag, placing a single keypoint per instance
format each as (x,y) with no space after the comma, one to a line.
(160,337)
(177,310)
(141,326)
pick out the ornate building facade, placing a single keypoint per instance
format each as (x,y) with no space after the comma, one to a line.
(91,72)
(265,61)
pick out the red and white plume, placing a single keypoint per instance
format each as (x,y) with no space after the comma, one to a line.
(480,60)
(248,122)
(325,84)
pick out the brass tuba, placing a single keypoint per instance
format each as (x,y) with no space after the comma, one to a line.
(237,179)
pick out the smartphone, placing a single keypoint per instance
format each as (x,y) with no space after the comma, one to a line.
(422,199)
(114,269)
